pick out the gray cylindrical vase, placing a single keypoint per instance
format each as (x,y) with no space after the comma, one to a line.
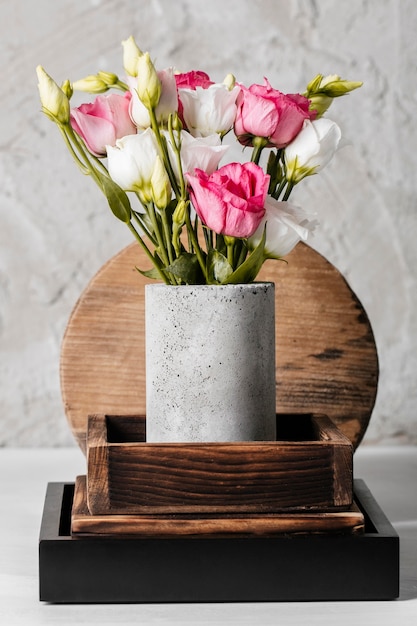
(210,363)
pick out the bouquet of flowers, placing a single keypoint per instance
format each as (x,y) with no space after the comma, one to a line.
(160,136)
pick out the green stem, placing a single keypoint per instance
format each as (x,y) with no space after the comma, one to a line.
(208,238)
(144,227)
(177,147)
(167,236)
(288,191)
(230,253)
(259,144)
(276,194)
(157,231)
(242,255)
(148,253)
(85,169)
(86,155)
(121,85)
(195,245)
(162,144)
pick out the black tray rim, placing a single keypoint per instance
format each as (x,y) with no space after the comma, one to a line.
(305,567)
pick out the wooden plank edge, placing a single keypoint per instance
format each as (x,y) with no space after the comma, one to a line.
(153,526)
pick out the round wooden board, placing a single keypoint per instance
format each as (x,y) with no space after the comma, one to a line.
(326,360)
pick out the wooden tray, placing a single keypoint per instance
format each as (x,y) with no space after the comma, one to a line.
(309,467)
(297,567)
(204,525)
(326,360)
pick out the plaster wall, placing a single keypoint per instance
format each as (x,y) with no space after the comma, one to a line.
(56,230)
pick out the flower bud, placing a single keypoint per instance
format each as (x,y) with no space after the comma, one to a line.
(178,216)
(108,77)
(148,84)
(160,185)
(176,122)
(90,84)
(333,86)
(229,81)
(55,103)
(67,89)
(131,54)
(322,89)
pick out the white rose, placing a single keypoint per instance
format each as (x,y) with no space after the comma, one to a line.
(131,163)
(204,153)
(209,111)
(286,224)
(312,149)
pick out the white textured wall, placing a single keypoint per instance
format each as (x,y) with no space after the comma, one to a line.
(55,229)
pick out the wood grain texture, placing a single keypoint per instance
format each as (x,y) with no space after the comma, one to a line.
(326,360)
(199,525)
(125,474)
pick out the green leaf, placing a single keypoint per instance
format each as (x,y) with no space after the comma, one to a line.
(117,198)
(248,271)
(152,273)
(145,219)
(218,267)
(186,268)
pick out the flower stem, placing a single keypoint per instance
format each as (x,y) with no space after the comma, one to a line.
(158,234)
(148,253)
(162,144)
(143,227)
(259,144)
(288,191)
(195,245)
(83,167)
(167,236)
(242,255)
(230,251)
(276,194)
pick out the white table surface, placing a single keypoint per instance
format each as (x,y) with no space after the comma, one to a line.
(389,472)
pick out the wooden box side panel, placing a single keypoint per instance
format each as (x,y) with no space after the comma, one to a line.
(342,447)
(247,477)
(97,464)
(208,477)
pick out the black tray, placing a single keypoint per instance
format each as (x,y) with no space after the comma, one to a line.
(265,569)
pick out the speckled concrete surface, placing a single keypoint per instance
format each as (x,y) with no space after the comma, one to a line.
(56,231)
(219,359)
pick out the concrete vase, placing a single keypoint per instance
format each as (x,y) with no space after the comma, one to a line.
(210,363)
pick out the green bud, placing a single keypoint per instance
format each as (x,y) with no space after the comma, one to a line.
(55,103)
(322,89)
(90,84)
(313,85)
(108,77)
(229,81)
(178,216)
(67,89)
(161,187)
(176,122)
(131,55)
(334,87)
(148,85)
(320,103)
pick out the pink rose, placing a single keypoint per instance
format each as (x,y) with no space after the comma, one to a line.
(102,122)
(193,79)
(230,201)
(266,112)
